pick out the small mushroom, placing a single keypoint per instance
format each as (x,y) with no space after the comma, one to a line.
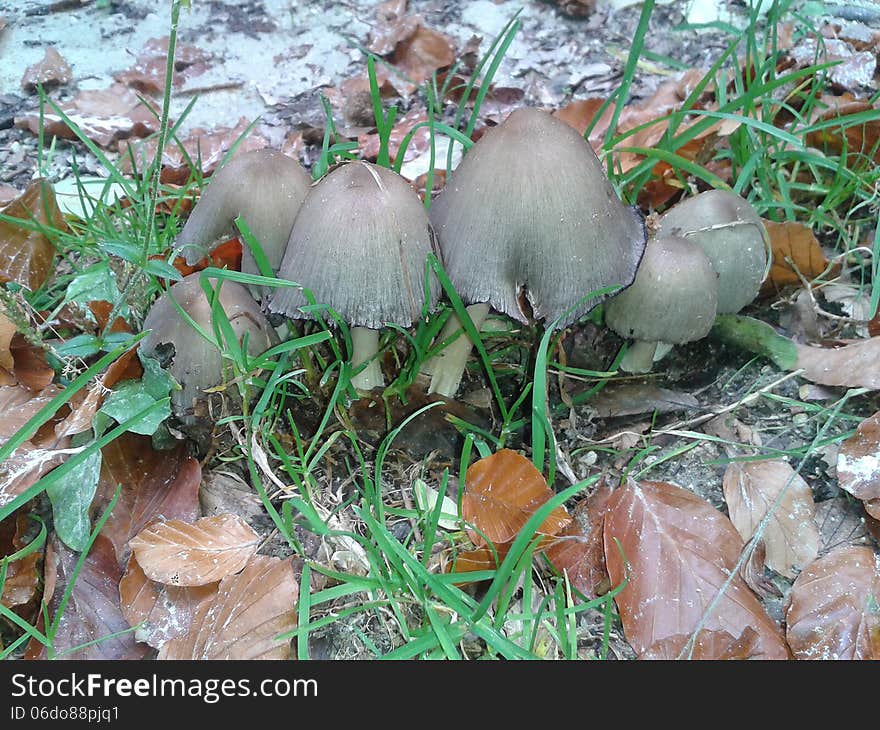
(672,301)
(265,188)
(360,244)
(193,360)
(529,216)
(732,235)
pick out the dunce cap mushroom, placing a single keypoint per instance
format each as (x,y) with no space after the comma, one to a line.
(265,188)
(530,212)
(673,300)
(360,244)
(732,235)
(195,362)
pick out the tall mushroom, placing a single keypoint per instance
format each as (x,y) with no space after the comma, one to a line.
(265,188)
(530,215)
(360,244)
(731,233)
(194,361)
(673,300)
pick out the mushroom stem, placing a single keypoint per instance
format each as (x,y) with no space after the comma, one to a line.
(365,346)
(447,367)
(639,358)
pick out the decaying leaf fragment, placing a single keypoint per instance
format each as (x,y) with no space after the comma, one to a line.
(858,461)
(795,250)
(854,365)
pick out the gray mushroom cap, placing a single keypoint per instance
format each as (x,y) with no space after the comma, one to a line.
(530,210)
(732,235)
(265,188)
(360,244)
(673,298)
(196,363)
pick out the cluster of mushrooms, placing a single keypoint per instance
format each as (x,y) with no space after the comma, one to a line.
(528,225)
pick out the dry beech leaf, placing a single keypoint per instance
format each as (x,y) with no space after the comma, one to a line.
(21,581)
(183,554)
(858,461)
(420,142)
(53,70)
(717,645)
(852,69)
(791,537)
(148,73)
(841,523)
(579,550)
(855,365)
(392,26)
(481,558)
(26,255)
(93,611)
(630,399)
(422,53)
(104,116)
(833,607)
(154,485)
(795,248)
(31,368)
(872,507)
(680,552)
(160,612)
(248,612)
(857,139)
(501,493)
(7,332)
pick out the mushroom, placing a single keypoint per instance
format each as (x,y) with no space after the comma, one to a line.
(265,188)
(673,301)
(529,215)
(732,235)
(194,361)
(360,244)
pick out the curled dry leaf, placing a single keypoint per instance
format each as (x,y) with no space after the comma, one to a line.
(248,613)
(26,255)
(22,579)
(794,249)
(579,550)
(681,552)
(93,611)
(104,116)
(160,612)
(858,461)
(53,70)
(501,493)
(791,537)
(182,554)
(855,365)
(31,368)
(154,485)
(832,611)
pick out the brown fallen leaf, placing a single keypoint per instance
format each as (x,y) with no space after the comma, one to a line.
(392,26)
(22,578)
(872,507)
(53,70)
(752,489)
(31,368)
(501,493)
(578,550)
(481,558)
(853,69)
(7,331)
(369,143)
(160,612)
(858,461)
(576,8)
(93,612)
(246,616)
(630,399)
(857,139)
(841,522)
(26,255)
(794,249)
(716,645)
(103,115)
(8,194)
(854,365)
(207,148)
(182,554)
(680,552)
(154,485)
(148,73)
(832,611)
(423,53)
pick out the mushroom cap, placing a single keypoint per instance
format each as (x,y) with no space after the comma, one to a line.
(360,243)
(196,363)
(673,298)
(530,210)
(731,233)
(266,188)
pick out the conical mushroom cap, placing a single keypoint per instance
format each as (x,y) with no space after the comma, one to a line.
(360,243)
(673,298)
(731,233)
(196,363)
(531,209)
(265,188)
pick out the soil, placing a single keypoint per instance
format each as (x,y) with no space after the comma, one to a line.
(278,55)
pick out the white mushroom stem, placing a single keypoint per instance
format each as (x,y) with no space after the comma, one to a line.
(639,358)
(447,367)
(365,346)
